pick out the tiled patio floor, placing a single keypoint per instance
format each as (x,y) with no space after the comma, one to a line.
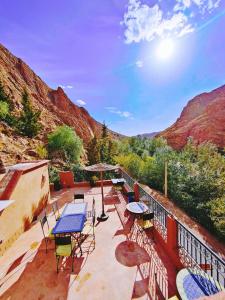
(122,265)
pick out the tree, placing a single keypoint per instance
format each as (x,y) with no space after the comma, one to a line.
(28,122)
(93,151)
(6,107)
(63,143)
(104,144)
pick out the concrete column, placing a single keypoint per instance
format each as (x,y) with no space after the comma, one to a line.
(172,241)
(66,179)
(136,192)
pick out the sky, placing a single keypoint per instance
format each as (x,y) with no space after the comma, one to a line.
(133,64)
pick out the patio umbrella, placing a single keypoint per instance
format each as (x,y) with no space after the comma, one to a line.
(101,167)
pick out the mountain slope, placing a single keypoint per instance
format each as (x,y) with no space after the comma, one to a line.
(148,135)
(203,119)
(56,108)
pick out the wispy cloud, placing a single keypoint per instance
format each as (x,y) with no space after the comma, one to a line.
(139,63)
(66,86)
(114,110)
(81,102)
(203,6)
(145,23)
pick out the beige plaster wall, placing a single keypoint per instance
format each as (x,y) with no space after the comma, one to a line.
(31,189)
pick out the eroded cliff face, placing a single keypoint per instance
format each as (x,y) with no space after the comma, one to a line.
(56,108)
(203,119)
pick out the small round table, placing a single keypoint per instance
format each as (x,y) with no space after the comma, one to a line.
(193,284)
(137,208)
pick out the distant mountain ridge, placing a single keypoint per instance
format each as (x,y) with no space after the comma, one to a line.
(56,108)
(148,135)
(203,118)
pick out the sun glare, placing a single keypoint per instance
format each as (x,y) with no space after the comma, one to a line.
(165,49)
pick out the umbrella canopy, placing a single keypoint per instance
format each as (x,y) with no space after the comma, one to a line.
(101,167)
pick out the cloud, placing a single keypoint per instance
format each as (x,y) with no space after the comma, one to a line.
(66,86)
(139,63)
(81,102)
(143,22)
(203,6)
(114,110)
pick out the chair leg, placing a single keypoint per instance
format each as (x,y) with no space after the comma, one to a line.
(46,245)
(57,263)
(72,262)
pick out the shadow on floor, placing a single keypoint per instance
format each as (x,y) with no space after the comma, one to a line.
(156,275)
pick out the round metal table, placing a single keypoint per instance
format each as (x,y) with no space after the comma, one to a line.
(193,284)
(137,208)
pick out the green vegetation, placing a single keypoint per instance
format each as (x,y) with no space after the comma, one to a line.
(28,121)
(6,107)
(54,177)
(42,151)
(64,144)
(103,149)
(196,176)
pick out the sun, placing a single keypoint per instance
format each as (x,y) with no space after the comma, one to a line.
(165,49)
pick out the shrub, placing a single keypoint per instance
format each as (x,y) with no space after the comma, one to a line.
(4,110)
(63,143)
(54,177)
(42,151)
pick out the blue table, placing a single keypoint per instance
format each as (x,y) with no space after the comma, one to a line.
(193,284)
(74,209)
(70,224)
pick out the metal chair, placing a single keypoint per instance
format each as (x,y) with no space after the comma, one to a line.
(64,247)
(55,210)
(89,227)
(78,196)
(145,222)
(49,236)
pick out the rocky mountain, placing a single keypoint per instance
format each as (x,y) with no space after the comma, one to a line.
(56,108)
(203,119)
(148,135)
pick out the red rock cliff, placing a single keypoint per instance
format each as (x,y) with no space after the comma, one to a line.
(56,107)
(203,119)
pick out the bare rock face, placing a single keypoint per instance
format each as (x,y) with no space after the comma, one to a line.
(203,119)
(56,108)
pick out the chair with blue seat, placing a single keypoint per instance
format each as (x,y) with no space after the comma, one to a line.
(78,197)
(47,236)
(64,247)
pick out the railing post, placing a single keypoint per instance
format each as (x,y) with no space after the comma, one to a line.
(136,191)
(172,241)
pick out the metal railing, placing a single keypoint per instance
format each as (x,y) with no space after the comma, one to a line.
(129,180)
(160,213)
(193,252)
(196,254)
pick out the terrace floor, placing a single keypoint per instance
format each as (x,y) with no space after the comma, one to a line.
(120,265)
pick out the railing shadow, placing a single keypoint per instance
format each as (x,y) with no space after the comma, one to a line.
(149,258)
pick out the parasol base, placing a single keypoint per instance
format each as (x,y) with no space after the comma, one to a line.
(103,217)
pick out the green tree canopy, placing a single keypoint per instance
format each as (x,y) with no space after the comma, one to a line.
(28,122)
(63,143)
(93,149)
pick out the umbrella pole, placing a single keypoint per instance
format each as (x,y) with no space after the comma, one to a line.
(103,216)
